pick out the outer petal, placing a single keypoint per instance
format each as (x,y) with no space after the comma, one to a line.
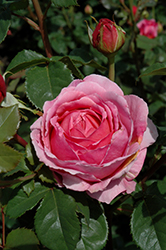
(104,82)
(139,112)
(150,135)
(113,189)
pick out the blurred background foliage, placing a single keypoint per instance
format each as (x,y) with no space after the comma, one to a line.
(68,36)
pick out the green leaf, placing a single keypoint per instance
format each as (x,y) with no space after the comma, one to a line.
(45,175)
(24,60)
(70,64)
(81,61)
(94,235)
(82,205)
(64,3)
(155,69)
(148,222)
(146,43)
(20,239)
(9,122)
(19,4)
(21,167)
(9,158)
(155,106)
(5,19)
(21,203)
(29,187)
(45,83)
(56,223)
(10,100)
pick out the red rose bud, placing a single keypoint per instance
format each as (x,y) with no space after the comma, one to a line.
(108,37)
(2,89)
(134,8)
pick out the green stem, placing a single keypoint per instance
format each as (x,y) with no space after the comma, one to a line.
(111,68)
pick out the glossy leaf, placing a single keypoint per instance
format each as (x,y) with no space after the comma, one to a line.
(64,3)
(21,203)
(148,222)
(29,187)
(24,60)
(45,174)
(5,20)
(70,64)
(9,158)
(10,100)
(56,223)
(94,235)
(20,239)
(45,83)
(9,122)
(155,69)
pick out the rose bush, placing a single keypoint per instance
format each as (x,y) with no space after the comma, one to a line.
(148,28)
(94,138)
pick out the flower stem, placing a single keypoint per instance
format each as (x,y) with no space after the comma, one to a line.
(42,28)
(3,227)
(20,140)
(111,68)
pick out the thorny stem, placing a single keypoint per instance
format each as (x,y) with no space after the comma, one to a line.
(20,140)
(42,27)
(3,228)
(29,21)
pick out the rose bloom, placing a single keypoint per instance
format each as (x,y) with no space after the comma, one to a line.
(148,28)
(94,138)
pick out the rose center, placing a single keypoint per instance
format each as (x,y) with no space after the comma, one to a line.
(80,123)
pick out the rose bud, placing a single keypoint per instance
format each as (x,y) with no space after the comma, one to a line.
(160,27)
(2,89)
(88,9)
(148,28)
(107,37)
(134,8)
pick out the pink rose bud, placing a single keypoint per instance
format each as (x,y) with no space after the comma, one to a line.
(107,37)
(148,28)
(134,8)
(88,9)
(2,89)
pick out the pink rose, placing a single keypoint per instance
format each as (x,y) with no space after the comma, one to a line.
(148,28)
(94,138)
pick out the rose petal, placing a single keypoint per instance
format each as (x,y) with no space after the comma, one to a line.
(139,112)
